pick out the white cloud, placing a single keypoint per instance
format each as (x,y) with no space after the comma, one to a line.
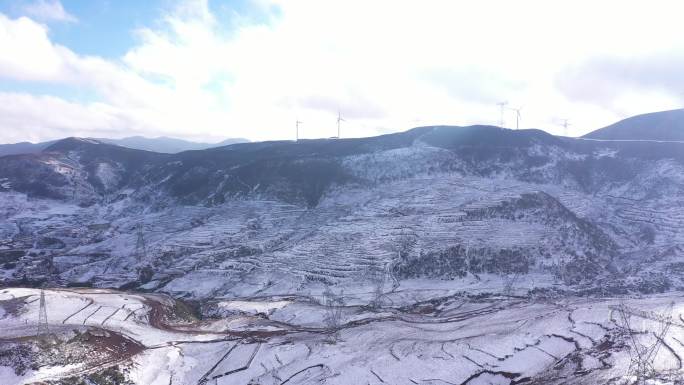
(386,65)
(605,79)
(27,53)
(49,10)
(37,118)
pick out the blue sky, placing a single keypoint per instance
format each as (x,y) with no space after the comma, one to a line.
(103,27)
(212,69)
(107,27)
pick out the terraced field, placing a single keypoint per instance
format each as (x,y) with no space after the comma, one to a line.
(451,339)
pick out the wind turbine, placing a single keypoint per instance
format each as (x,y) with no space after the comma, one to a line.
(503,107)
(339,119)
(565,126)
(297,123)
(518,117)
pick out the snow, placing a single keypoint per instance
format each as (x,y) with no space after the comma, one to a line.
(198,283)
(60,167)
(9,377)
(107,175)
(631,140)
(252,307)
(450,343)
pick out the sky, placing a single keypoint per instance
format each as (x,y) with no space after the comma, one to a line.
(214,69)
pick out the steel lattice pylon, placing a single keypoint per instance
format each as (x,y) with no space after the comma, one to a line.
(42,316)
(140,248)
(643,354)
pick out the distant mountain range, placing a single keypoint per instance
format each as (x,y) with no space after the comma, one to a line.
(161,144)
(665,126)
(167,145)
(23,148)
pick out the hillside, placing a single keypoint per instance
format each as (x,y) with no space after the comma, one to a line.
(469,204)
(665,126)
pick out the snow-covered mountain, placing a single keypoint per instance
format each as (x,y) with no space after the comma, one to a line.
(477,205)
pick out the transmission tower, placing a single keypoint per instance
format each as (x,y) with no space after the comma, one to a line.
(642,353)
(42,316)
(502,105)
(140,249)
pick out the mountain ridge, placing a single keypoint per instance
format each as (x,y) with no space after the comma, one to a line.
(662,125)
(160,144)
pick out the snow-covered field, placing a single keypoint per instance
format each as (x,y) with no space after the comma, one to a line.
(454,339)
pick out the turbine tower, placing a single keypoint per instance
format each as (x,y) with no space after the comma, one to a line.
(502,105)
(140,249)
(518,117)
(339,119)
(42,316)
(297,123)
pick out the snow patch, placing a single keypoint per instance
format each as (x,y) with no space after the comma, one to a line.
(108,175)
(253,307)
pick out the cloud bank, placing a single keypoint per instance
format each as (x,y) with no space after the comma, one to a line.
(206,71)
